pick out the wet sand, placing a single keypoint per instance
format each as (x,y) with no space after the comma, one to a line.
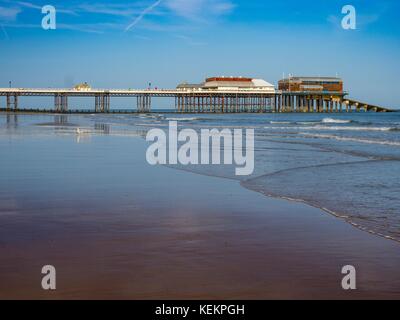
(120,229)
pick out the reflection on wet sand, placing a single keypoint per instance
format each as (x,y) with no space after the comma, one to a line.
(102,128)
(61,119)
(12,121)
(115,227)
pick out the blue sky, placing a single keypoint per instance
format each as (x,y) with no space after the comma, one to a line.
(126,44)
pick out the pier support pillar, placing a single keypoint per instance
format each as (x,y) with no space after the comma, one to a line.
(106,103)
(300,104)
(284,103)
(64,103)
(12,102)
(139,104)
(16,102)
(143,103)
(278,103)
(8,107)
(97,103)
(57,103)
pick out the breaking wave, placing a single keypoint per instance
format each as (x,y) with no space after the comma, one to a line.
(182,119)
(369,141)
(337,128)
(330,120)
(281,122)
(323,121)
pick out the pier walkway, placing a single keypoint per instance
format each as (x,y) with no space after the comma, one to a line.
(200,101)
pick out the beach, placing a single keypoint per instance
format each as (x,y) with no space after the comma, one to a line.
(117,228)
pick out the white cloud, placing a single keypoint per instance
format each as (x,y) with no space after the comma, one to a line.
(112,9)
(365,20)
(190,41)
(9,14)
(223,7)
(106,9)
(202,11)
(196,9)
(19,5)
(28,5)
(185,8)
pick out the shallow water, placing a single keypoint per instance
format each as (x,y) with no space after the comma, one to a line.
(347,164)
(87,202)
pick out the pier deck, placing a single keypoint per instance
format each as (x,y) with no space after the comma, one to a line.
(201,101)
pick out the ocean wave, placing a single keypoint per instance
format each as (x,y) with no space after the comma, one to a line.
(339,138)
(337,128)
(281,122)
(56,125)
(330,120)
(308,122)
(323,121)
(182,119)
(151,116)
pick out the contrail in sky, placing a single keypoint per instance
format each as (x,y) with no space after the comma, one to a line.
(5,32)
(141,16)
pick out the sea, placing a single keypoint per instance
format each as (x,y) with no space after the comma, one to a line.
(346,164)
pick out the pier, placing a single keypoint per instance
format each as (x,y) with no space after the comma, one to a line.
(327,102)
(215,95)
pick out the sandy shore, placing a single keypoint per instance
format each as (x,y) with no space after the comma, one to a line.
(158,233)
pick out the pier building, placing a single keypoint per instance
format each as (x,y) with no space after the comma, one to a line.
(314,84)
(229,84)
